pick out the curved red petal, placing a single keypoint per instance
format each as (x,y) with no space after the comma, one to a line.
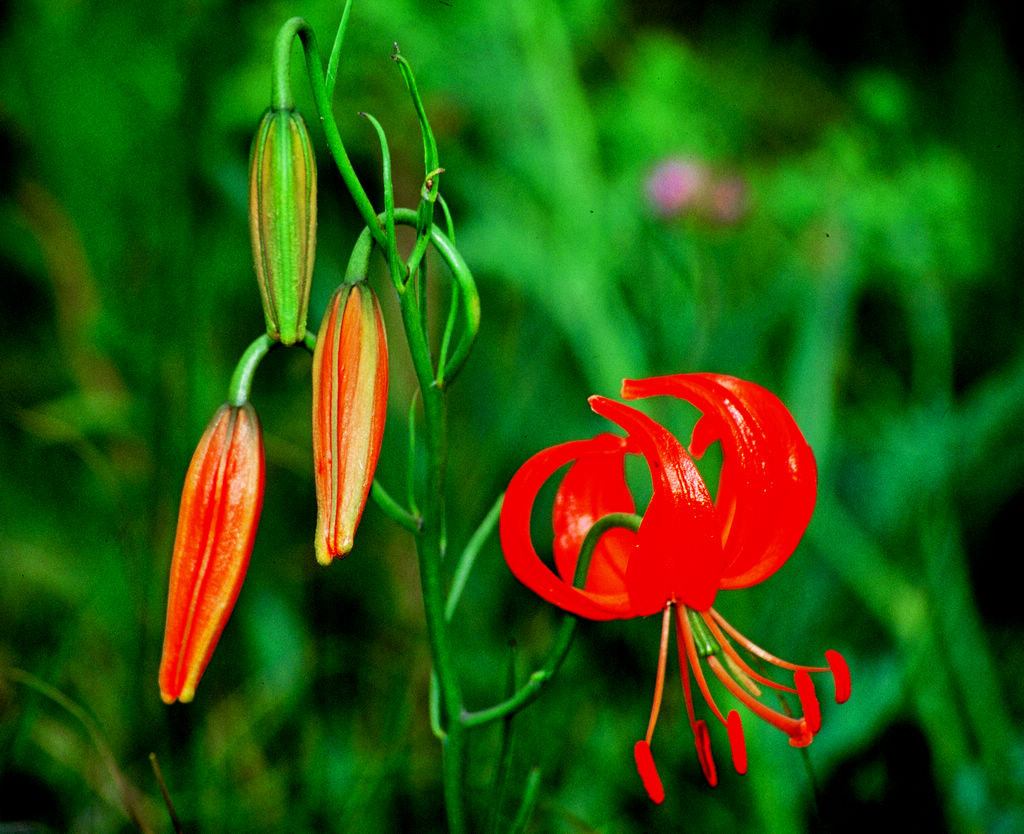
(593,487)
(522,558)
(768,483)
(679,553)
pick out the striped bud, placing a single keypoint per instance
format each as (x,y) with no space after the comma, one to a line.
(220,508)
(282,219)
(350,393)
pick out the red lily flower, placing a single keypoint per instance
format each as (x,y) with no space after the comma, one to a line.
(686,546)
(220,509)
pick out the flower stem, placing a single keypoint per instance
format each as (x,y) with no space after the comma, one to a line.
(241,379)
(469,554)
(567,630)
(282,97)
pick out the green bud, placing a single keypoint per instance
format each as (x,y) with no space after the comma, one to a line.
(282,219)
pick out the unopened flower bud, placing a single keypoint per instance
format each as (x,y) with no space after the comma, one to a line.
(282,219)
(350,392)
(220,509)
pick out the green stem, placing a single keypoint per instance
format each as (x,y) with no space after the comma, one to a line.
(469,554)
(529,800)
(430,550)
(281,96)
(504,766)
(332,62)
(168,803)
(309,342)
(394,263)
(431,168)
(395,511)
(567,630)
(468,293)
(410,483)
(241,379)
(280,79)
(528,693)
(431,553)
(127,792)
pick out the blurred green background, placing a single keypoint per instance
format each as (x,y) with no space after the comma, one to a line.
(850,240)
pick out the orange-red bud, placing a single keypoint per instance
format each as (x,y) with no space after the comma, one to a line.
(220,508)
(350,392)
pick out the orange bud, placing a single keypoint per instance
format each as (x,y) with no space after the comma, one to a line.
(220,508)
(350,393)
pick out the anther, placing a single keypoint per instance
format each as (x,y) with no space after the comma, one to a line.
(648,772)
(702,739)
(737,743)
(840,674)
(808,700)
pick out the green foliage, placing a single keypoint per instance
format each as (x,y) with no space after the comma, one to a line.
(870,276)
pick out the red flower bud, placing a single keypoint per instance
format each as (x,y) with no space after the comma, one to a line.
(220,508)
(350,393)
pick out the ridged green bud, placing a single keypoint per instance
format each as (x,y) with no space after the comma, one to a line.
(282,219)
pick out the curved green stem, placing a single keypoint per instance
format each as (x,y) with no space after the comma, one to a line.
(394,263)
(467,290)
(529,800)
(431,168)
(567,630)
(297,26)
(332,62)
(241,379)
(359,260)
(469,554)
(126,791)
(281,86)
(395,511)
(309,341)
(528,693)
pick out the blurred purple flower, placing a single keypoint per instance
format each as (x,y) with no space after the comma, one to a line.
(676,184)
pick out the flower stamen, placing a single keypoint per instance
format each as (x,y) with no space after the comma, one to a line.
(808,700)
(797,729)
(648,772)
(756,650)
(749,675)
(687,642)
(659,681)
(642,749)
(840,674)
(737,743)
